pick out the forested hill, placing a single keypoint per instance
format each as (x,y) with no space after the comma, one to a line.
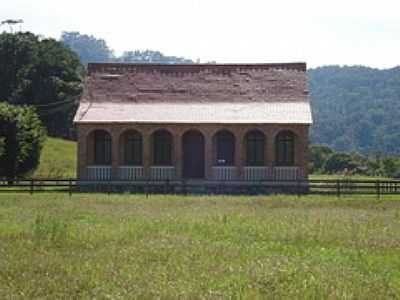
(356,108)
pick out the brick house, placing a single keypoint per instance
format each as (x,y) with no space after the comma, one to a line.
(226,122)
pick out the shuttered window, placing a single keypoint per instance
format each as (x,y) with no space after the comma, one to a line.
(284,146)
(255,148)
(162,148)
(133,152)
(225,148)
(102,148)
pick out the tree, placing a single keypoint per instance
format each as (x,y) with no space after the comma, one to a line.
(88,48)
(21,139)
(338,162)
(317,155)
(389,166)
(43,73)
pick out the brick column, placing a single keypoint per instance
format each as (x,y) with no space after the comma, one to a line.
(82,153)
(115,134)
(239,153)
(147,153)
(208,155)
(301,144)
(270,149)
(177,153)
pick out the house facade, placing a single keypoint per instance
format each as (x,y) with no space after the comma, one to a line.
(229,122)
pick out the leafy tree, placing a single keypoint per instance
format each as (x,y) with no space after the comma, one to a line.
(389,166)
(88,48)
(43,73)
(338,162)
(317,155)
(22,135)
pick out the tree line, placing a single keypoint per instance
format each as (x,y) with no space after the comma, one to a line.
(324,160)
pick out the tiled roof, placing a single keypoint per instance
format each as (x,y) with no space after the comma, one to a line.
(265,93)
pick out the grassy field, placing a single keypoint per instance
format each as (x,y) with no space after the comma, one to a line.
(58,159)
(127,246)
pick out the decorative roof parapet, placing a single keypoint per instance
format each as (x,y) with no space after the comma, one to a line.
(225,69)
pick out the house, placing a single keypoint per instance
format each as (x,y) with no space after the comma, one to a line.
(224,122)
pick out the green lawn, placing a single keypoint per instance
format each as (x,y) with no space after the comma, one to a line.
(127,246)
(57,160)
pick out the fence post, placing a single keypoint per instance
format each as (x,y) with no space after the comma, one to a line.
(378,190)
(338,188)
(31,187)
(70,188)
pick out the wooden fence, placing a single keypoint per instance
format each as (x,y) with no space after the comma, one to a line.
(300,187)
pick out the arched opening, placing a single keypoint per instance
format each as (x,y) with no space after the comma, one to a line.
(284,148)
(162,148)
(225,148)
(193,154)
(132,148)
(101,147)
(255,148)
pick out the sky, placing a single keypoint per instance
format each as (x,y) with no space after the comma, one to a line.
(340,32)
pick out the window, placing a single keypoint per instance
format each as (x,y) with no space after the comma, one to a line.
(133,148)
(162,148)
(255,141)
(225,148)
(284,144)
(102,148)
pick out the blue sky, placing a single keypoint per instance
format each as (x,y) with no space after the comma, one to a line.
(320,32)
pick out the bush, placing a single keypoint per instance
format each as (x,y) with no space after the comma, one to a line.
(338,162)
(317,155)
(21,140)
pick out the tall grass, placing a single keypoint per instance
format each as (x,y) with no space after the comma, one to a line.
(127,246)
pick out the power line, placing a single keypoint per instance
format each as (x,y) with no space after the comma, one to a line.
(55,109)
(52,103)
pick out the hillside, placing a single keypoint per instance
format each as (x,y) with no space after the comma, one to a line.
(58,159)
(356,108)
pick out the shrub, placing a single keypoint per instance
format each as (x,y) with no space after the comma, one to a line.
(338,162)
(21,139)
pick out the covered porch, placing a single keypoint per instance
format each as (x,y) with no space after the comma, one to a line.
(227,153)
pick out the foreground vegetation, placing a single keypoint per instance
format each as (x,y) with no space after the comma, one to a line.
(118,246)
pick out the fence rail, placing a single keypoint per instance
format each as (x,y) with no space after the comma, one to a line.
(330,187)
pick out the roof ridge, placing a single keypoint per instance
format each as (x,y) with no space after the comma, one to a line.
(115,68)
